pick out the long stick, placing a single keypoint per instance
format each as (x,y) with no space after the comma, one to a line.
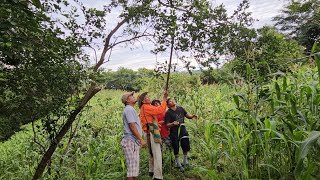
(169,69)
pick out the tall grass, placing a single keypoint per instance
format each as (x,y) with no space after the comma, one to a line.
(253,131)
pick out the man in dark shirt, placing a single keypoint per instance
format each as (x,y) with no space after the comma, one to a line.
(174,119)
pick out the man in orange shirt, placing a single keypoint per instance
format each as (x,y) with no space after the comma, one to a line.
(148,117)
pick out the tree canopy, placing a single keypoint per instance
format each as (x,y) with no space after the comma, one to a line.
(40,66)
(301,19)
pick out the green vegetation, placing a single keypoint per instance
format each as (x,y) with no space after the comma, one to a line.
(271,52)
(39,70)
(248,131)
(61,116)
(301,18)
(126,79)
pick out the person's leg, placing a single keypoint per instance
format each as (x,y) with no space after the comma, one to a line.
(175,147)
(167,142)
(150,155)
(131,151)
(185,158)
(178,163)
(151,167)
(157,158)
(137,160)
(185,145)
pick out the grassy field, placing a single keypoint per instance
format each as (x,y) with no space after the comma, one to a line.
(253,131)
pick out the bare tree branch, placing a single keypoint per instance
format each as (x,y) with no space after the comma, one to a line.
(128,40)
(108,56)
(143,34)
(106,45)
(95,54)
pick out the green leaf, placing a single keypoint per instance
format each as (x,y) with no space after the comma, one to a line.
(270,166)
(248,69)
(9,44)
(272,105)
(308,143)
(36,3)
(277,91)
(298,135)
(317,57)
(267,124)
(236,100)
(245,138)
(281,136)
(305,147)
(314,47)
(284,84)
(293,103)
(302,117)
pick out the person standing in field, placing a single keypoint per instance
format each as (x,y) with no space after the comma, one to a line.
(174,119)
(148,117)
(164,130)
(132,136)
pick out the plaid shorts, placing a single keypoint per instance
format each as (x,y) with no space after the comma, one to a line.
(131,151)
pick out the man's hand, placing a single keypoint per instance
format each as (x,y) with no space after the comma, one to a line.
(143,143)
(195,116)
(176,123)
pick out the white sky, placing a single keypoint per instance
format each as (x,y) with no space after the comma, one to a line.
(140,55)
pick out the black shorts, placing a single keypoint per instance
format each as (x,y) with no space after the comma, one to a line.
(183,139)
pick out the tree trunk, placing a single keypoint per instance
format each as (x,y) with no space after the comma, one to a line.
(47,156)
(90,93)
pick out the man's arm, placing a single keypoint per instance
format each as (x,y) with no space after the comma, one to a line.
(174,123)
(191,116)
(167,121)
(135,132)
(153,110)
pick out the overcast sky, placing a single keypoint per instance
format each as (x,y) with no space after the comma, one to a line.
(140,55)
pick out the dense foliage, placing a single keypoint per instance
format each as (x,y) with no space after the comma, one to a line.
(126,79)
(39,69)
(268,52)
(301,19)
